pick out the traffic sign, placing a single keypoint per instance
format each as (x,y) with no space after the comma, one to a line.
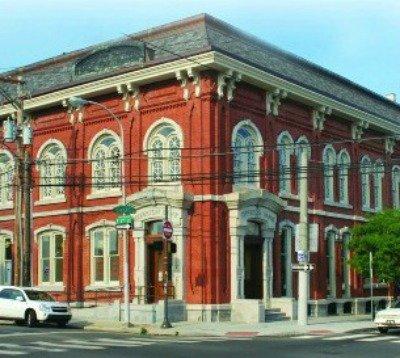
(307,267)
(124,210)
(124,222)
(167,229)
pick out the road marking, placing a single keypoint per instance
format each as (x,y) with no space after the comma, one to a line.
(377,339)
(11,353)
(351,336)
(18,346)
(304,337)
(103,343)
(120,341)
(68,346)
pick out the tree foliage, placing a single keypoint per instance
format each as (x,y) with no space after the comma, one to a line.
(381,236)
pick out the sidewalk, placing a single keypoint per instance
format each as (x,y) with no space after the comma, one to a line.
(317,326)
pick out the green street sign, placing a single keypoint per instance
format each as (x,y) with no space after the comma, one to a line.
(124,210)
(124,220)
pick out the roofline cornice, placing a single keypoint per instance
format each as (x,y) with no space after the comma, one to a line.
(205,61)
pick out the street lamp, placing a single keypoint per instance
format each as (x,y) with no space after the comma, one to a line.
(78,102)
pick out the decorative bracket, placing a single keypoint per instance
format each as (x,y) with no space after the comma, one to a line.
(273,101)
(318,117)
(183,78)
(195,76)
(74,114)
(389,145)
(130,96)
(357,129)
(227,80)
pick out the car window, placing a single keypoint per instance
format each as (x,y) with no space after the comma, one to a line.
(6,294)
(17,294)
(39,296)
(397,305)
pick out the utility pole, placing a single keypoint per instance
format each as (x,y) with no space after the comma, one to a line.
(20,133)
(303,254)
(371,285)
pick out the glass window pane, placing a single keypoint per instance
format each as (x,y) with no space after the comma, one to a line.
(98,243)
(45,246)
(46,270)
(8,247)
(113,243)
(59,270)
(58,246)
(114,268)
(98,269)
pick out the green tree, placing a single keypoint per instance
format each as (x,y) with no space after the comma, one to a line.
(381,236)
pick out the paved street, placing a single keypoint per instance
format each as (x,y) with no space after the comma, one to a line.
(47,341)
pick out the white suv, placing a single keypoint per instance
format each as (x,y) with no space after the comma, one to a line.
(25,305)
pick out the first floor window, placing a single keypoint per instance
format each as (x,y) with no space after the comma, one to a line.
(5,260)
(331,264)
(286,261)
(51,251)
(105,255)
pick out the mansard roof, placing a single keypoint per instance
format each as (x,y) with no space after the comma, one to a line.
(191,36)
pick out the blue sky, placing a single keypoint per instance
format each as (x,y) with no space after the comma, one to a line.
(357,39)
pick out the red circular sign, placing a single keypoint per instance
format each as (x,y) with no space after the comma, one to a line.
(167,229)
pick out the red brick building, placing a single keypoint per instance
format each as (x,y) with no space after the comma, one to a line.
(212,121)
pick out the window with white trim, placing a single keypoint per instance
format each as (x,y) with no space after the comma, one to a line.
(51,257)
(52,166)
(104,256)
(379,172)
(106,164)
(287,235)
(6,178)
(329,160)
(164,149)
(343,162)
(301,144)
(346,264)
(365,171)
(331,263)
(5,260)
(246,156)
(285,150)
(396,186)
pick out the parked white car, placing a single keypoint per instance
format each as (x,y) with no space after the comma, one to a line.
(388,318)
(29,306)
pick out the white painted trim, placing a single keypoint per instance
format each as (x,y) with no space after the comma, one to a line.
(48,201)
(249,123)
(50,288)
(285,223)
(9,233)
(285,134)
(48,143)
(331,228)
(8,154)
(326,213)
(50,227)
(95,138)
(338,204)
(110,193)
(7,206)
(97,224)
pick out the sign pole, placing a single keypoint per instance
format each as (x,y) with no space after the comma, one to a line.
(166,323)
(371,285)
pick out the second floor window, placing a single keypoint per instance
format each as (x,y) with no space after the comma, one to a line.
(379,171)
(6,178)
(329,160)
(285,151)
(343,162)
(365,171)
(396,186)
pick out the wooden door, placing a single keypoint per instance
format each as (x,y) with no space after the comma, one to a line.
(155,266)
(253,282)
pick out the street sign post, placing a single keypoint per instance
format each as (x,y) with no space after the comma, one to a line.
(167,232)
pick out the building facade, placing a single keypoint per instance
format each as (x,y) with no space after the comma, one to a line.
(213,122)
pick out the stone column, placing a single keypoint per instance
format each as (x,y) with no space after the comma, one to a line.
(140,266)
(267,266)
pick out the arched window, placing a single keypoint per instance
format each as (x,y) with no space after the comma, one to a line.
(396,186)
(52,165)
(343,162)
(5,260)
(285,150)
(331,236)
(6,178)
(247,149)
(51,257)
(329,160)
(379,172)
(365,170)
(104,255)
(106,163)
(164,150)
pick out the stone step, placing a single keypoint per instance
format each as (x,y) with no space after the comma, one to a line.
(275,314)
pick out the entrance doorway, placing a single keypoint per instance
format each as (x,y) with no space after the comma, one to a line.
(156,262)
(5,260)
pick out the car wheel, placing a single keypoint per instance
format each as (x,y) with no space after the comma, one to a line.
(383,330)
(61,324)
(31,320)
(19,322)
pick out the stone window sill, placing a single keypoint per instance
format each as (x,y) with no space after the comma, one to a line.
(291,196)
(48,201)
(104,194)
(104,287)
(50,288)
(338,205)
(7,206)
